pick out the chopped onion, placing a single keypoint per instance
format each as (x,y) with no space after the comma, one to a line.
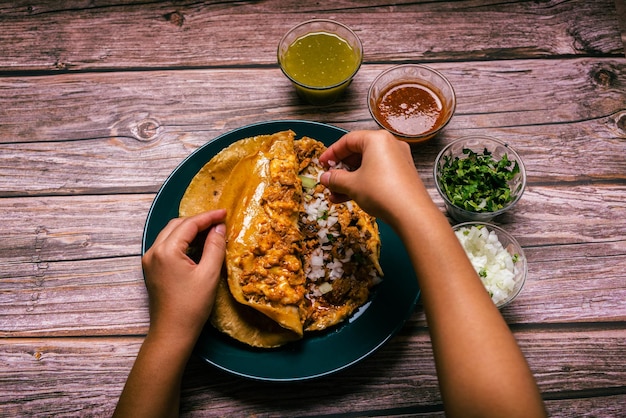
(317,260)
(325,288)
(493,263)
(323,268)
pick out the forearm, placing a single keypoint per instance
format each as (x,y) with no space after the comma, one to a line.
(474,348)
(153,385)
(181,294)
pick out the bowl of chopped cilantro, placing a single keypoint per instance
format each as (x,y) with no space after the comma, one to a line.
(479,178)
(497,258)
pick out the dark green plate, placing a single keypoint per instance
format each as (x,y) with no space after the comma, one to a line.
(391,304)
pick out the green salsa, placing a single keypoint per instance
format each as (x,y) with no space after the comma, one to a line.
(320,59)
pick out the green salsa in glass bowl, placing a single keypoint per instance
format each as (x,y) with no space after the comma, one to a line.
(320,57)
(479,178)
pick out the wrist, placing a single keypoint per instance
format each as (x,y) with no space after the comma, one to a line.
(415,211)
(177,339)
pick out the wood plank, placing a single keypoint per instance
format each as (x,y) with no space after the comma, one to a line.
(89,297)
(86,374)
(108,296)
(144,126)
(569,285)
(90,373)
(56,228)
(620,7)
(604,406)
(141,110)
(43,229)
(73,36)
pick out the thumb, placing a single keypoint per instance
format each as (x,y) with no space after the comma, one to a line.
(214,251)
(338,182)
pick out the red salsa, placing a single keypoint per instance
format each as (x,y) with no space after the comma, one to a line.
(410,109)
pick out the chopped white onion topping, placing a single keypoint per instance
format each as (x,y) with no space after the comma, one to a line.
(325,288)
(493,263)
(323,268)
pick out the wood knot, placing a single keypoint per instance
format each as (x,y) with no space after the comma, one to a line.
(175,18)
(60,65)
(604,77)
(620,122)
(146,130)
(581,43)
(616,123)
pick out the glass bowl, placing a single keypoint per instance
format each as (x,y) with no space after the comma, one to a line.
(413,102)
(502,273)
(320,57)
(461,204)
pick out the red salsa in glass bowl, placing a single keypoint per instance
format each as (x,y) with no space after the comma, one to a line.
(413,102)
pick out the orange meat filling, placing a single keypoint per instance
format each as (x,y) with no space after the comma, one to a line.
(272,270)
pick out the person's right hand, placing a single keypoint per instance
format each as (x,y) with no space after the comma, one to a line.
(381,173)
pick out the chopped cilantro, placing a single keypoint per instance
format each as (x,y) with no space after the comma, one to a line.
(482,273)
(478,182)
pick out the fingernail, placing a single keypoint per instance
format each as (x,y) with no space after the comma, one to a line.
(325,178)
(220,229)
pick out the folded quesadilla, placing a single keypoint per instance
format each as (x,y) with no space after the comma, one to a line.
(294,262)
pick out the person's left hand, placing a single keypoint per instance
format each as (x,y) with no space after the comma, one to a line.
(182,292)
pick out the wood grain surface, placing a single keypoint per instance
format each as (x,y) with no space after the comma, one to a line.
(101,100)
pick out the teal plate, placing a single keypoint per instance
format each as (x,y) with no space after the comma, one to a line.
(317,354)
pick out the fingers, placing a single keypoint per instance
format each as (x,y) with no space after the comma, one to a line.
(206,219)
(166,231)
(180,232)
(347,149)
(337,181)
(214,250)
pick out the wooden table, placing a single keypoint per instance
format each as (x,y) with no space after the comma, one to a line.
(100,101)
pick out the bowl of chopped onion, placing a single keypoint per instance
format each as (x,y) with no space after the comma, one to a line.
(479,178)
(497,257)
